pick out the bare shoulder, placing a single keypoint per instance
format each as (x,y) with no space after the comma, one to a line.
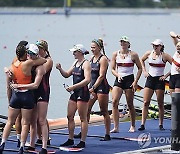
(133,53)
(166,54)
(115,53)
(86,64)
(103,60)
(147,53)
(49,59)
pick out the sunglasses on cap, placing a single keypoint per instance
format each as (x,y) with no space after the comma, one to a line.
(31,53)
(38,43)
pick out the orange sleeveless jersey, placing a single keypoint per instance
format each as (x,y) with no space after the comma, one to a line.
(19,76)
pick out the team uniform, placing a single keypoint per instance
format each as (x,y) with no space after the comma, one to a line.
(156,70)
(125,67)
(43,91)
(174,81)
(80,94)
(21,98)
(103,88)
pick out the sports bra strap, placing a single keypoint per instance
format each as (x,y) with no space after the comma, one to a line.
(80,64)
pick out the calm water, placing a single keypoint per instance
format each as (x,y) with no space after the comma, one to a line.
(63,32)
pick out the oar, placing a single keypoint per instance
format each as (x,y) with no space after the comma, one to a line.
(2,124)
(152,108)
(100,112)
(154,114)
(154,100)
(11,150)
(3,117)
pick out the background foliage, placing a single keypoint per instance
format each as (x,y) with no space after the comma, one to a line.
(93,3)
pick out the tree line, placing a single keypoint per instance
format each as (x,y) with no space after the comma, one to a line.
(93,3)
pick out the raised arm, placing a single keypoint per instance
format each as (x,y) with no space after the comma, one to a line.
(36,62)
(174,37)
(64,73)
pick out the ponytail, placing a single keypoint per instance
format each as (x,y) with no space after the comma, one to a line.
(162,48)
(20,51)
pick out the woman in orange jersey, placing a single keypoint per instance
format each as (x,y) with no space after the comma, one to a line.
(42,93)
(122,65)
(9,94)
(22,100)
(155,79)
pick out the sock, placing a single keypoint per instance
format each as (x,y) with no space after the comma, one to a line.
(3,141)
(18,136)
(22,144)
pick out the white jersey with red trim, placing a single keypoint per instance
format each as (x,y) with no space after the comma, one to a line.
(175,63)
(125,65)
(156,66)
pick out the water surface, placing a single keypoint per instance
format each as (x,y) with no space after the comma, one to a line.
(141,25)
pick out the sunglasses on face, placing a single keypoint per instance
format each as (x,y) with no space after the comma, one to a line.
(156,45)
(76,51)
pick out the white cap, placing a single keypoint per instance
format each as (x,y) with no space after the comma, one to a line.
(79,47)
(157,42)
(125,39)
(34,49)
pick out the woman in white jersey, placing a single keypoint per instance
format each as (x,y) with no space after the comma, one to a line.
(122,66)
(155,81)
(174,82)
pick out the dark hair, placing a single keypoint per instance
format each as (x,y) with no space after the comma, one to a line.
(162,48)
(20,51)
(22,43)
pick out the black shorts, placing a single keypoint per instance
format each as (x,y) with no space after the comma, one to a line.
(24,100)
(125,83)
(174,81)
(42,97)
(81,94)
(103,88)
(154,83)
(42,94)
